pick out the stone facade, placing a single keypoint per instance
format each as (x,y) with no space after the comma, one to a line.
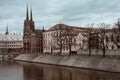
(11,41)
(59,35)
(79,39)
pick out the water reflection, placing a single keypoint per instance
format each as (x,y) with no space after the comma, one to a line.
(4,60)
(10,70)
(47,72)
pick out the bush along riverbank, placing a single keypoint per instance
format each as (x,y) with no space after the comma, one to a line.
(97,63)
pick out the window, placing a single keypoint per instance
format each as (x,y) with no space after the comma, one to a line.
(54,34)
(66,48)
(73,40)
(63,47)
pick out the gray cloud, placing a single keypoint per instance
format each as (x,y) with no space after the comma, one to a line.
(48,13)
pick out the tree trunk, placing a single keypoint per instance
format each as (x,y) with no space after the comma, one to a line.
(60,48)
(103,49)
(90,44)
(70,49)
(104,52)
(89,51)
(60,51)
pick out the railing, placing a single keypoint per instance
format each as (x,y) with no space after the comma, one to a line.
(99,52)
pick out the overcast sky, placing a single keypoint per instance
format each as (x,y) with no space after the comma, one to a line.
(50,12)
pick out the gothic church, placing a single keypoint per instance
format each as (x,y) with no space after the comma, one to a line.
(32,38)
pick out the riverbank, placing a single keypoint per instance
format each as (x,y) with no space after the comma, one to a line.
(98,63)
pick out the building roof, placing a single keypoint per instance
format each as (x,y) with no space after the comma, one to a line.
(38,31)
(73,31)
(62,26)
(11,37)
(57,26)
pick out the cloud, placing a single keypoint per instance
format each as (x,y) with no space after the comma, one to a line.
(48,13)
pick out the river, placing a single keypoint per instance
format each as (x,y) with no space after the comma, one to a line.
(10,70)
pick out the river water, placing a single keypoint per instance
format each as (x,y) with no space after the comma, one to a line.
(33,71)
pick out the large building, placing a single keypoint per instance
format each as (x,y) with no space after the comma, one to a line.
(64,39)
(11,42)
(32,38)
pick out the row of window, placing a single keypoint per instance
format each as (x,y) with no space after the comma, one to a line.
(10,46)
(10,39)
(64,48)
(65,41)
(65,53)
(50,34)
(48,41)
(10,42)
(29,40)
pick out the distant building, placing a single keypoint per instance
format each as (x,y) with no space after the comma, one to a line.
(32,38)
(11,41)
(61,38)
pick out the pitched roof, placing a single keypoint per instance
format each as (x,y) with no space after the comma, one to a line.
(62,26)
(73,31)
(58,26)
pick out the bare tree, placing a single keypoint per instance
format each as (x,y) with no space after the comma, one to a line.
(118,24)
(117,32)
(64,38)
(102,36)
(41,41)
(115,36)
(70,37)
(90,30)
(53,43)
(58,38)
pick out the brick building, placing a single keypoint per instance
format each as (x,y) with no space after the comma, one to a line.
(32,38)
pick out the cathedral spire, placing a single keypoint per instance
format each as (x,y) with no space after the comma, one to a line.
(31,14)
(43,29)
(27,14)
(7,30)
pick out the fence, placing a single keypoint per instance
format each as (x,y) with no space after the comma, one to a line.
(100,52)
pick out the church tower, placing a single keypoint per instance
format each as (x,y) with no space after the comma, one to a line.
(31,40)
(31,21)
(6,30)
(28,23)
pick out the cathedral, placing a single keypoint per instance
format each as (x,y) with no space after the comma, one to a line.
(32,38)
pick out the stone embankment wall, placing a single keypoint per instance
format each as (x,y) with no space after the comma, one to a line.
(99,63)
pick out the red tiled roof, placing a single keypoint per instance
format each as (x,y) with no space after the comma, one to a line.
(85,35)
(74,32)
(62,26)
